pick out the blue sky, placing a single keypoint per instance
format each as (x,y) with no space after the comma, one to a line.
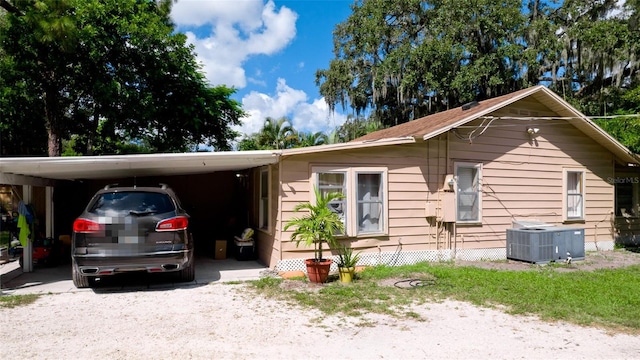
(269,50)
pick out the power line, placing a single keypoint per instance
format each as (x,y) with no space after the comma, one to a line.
(529,118)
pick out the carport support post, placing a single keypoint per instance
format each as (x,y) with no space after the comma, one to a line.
(27,252)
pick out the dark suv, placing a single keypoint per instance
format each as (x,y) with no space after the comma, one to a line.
(126,229)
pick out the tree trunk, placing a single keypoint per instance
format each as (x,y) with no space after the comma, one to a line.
(54,142)
(94,130)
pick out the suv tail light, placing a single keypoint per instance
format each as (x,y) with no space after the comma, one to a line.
(86,226)
(172,224)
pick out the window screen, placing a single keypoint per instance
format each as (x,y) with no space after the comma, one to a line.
(468,193)
(575,197)
(370,205)
(329,182)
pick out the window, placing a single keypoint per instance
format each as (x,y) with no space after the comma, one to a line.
(627,196)
(468,193)
(264,199)
(369,198)
(329,182)
(363,209)
(124,203)
(573,194)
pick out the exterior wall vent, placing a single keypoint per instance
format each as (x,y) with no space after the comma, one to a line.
(469,105)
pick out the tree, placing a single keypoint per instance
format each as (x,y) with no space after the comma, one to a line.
(401,60)
(409,58)
(279,134)
(249,142)
(626,128)
(319,224)
(276,134)
(305,139)
(45,32)
(356,127)
(114,72)
(22,129)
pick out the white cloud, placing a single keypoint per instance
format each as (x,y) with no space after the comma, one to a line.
(226,33)
(238,30)
(620,11)
(290,103)
(316,117)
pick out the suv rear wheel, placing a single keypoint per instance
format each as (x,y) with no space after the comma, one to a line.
(78,280)
(189,273)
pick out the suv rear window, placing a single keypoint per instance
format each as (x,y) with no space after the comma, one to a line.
(131,202)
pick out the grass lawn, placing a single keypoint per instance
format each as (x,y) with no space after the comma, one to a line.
(607,298)
(11,301)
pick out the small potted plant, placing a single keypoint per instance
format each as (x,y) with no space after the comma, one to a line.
(347,262)
(319,225)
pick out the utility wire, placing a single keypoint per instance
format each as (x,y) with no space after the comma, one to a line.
(529,118)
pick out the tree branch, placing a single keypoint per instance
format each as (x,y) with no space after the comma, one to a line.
(10,8)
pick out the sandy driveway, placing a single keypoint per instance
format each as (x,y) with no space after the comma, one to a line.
(224,321)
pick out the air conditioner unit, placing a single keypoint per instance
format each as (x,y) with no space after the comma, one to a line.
(532,223)
(542,245)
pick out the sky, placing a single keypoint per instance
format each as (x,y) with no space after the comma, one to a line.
(269,51)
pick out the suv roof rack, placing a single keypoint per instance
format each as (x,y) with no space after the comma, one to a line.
(164,186)
(107,187)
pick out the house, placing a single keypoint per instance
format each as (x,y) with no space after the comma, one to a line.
(445,186)
(449,185)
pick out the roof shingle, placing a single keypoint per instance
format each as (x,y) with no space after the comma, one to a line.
(432,123)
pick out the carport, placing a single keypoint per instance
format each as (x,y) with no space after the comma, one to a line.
(212,186)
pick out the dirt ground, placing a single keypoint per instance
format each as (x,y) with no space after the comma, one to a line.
(228,322)
(593,260)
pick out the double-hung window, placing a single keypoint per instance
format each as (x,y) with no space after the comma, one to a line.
(468,192)
(369,202)
(574,191)
(363,209)
(335,182)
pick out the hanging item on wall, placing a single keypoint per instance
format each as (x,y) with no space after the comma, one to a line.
(25,218)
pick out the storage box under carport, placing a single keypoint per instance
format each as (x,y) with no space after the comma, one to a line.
(545,244)
(245,249)
(221,250)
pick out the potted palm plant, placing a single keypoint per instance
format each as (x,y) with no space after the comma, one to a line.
(347,262)
(320,224)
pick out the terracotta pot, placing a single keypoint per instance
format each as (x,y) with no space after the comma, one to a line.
(318,271)
(346,274)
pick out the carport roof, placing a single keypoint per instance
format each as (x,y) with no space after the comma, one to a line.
(118,166)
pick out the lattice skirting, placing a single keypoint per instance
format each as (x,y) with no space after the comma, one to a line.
(412,257)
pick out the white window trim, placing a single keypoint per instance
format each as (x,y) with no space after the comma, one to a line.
(264,223)
(478,166)
(351,229)
(565,209)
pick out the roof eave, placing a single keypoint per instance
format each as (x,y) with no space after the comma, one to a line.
(349,145)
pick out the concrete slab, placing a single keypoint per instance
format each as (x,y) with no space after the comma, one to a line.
(44,280)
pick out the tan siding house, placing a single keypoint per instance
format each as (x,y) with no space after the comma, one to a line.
(445,186)
(449,185)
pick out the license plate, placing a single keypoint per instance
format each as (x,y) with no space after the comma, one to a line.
(130,240)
